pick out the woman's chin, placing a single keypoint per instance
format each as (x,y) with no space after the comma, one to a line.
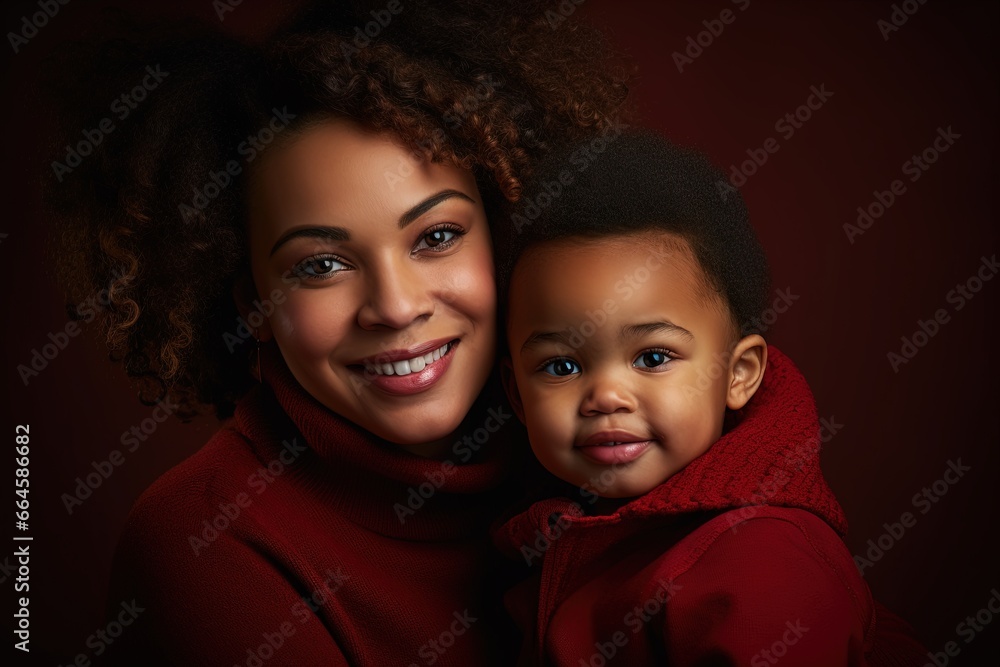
(418,435)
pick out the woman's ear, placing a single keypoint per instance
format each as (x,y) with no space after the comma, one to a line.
(244,294)
(746,370)
(510,386)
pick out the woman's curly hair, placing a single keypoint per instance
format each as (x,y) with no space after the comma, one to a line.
(488,86)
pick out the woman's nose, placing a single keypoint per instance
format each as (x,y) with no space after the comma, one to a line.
(396,296)
(607,393)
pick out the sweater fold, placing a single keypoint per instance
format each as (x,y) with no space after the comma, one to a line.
(295,537)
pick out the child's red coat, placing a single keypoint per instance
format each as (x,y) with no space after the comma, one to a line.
(738,559)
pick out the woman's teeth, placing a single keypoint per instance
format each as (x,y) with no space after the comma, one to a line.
(407,366)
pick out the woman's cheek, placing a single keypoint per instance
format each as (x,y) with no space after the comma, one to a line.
(471,287)
(480,270)
(310,323)
(282,323)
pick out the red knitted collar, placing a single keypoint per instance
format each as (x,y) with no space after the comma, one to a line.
(376,483)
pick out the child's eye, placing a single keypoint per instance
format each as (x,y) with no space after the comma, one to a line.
(653,359)
(560,367)
(439,238)
(319,267)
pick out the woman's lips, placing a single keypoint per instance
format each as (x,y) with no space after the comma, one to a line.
(615,452)
(390,356)
(402,378)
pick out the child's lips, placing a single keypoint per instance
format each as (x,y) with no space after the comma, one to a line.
(616,452)
(610,447)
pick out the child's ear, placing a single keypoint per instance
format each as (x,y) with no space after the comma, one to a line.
(510,386)
(746,370)
(244,293)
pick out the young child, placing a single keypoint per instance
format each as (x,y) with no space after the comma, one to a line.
(698,528)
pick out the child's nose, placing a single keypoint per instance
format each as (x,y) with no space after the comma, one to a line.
(607,394)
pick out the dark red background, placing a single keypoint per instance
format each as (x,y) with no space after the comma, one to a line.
(855,300)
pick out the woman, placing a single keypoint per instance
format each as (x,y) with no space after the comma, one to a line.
(296,235)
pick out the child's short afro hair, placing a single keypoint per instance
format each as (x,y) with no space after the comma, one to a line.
(630,181)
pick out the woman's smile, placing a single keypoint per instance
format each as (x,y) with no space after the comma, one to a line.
(405,372)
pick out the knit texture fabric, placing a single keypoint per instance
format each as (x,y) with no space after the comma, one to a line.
(738,553)
(295,537)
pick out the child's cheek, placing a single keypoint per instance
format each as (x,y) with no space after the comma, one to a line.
(554,418)
(692,420)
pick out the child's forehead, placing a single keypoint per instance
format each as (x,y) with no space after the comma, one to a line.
(558,277)
(586,252)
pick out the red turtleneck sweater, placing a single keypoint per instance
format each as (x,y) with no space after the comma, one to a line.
(735,560)
(294,537)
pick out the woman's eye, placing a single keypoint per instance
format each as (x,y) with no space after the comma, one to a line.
(652,359)
(319,267)
(561,367)
(439,239)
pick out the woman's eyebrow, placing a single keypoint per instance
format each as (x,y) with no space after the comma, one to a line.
(327,233)
(429,203)
(341,234)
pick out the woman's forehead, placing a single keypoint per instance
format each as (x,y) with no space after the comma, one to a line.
(338,171)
